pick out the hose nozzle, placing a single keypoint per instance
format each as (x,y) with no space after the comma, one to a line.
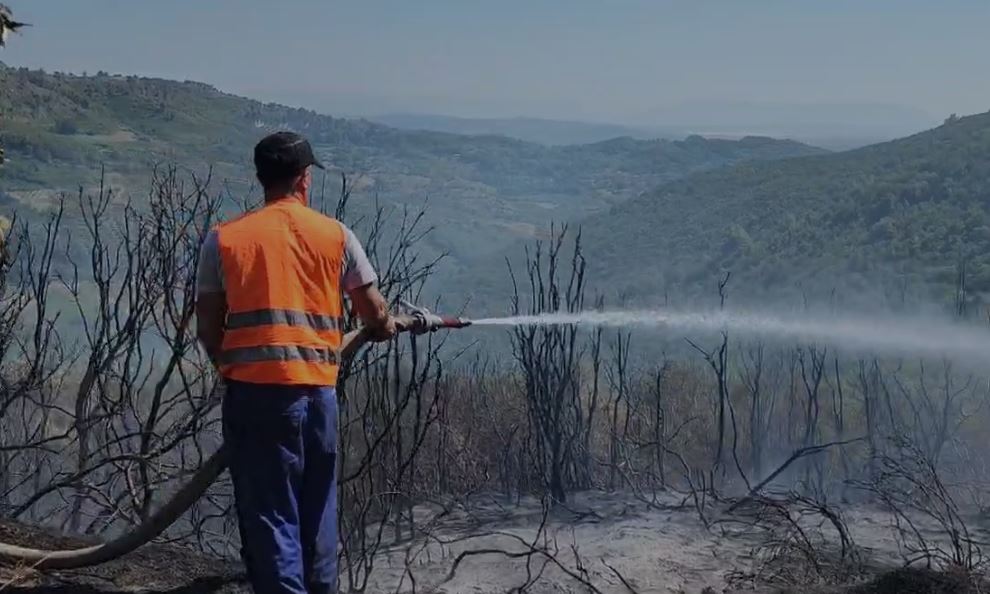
(425,321)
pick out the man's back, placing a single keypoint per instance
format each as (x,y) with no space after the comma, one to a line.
(287,250)
(281,267)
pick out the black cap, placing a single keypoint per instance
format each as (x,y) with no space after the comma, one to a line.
(283,155)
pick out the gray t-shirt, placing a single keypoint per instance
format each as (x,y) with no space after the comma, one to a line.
(357,272)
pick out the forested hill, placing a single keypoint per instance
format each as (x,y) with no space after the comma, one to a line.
(484,192)
(902,216)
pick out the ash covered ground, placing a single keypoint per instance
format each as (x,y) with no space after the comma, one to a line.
(610,543)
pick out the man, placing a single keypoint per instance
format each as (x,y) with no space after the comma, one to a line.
(270,312)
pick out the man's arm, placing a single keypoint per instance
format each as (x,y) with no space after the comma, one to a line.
(371,307)
(211,300)
(211,311)
(358,282)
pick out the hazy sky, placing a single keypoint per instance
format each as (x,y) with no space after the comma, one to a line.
(614,60)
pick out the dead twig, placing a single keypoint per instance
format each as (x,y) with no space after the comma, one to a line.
(797,455)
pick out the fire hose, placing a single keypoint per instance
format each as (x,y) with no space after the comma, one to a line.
(415,320)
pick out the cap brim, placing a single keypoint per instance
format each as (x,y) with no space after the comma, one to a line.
(318,164)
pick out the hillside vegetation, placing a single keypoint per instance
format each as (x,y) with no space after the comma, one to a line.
(902,217)
(484,192)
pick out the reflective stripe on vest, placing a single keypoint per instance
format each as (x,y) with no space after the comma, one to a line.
(278,352)
(282,266)
(283,317)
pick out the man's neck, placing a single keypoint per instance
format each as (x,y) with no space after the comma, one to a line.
(278,197)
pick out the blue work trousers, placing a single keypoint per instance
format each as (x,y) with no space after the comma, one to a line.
(283,454)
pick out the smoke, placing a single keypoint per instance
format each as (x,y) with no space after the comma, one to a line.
(918,335)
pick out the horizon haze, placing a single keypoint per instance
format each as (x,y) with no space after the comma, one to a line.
(720,68)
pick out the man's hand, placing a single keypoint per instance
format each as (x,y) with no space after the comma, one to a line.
(372,309)
(383,333)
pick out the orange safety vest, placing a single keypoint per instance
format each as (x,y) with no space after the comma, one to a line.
(282,266)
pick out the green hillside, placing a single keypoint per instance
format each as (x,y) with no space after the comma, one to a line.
(898,216)
(484,192)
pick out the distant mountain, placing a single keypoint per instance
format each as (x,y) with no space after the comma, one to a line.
(902,217)
(484,193)
(543,131)
(831,126)
(825,124)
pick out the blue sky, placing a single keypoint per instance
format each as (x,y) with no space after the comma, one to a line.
(615,60)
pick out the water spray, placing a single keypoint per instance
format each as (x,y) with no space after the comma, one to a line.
(873,333)
(929,336)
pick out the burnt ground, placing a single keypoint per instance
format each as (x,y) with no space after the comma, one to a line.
(900,581)
(168,569)
(904,581)
(919,581)
(162,569)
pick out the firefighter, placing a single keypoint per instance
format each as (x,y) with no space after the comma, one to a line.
(270,316)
